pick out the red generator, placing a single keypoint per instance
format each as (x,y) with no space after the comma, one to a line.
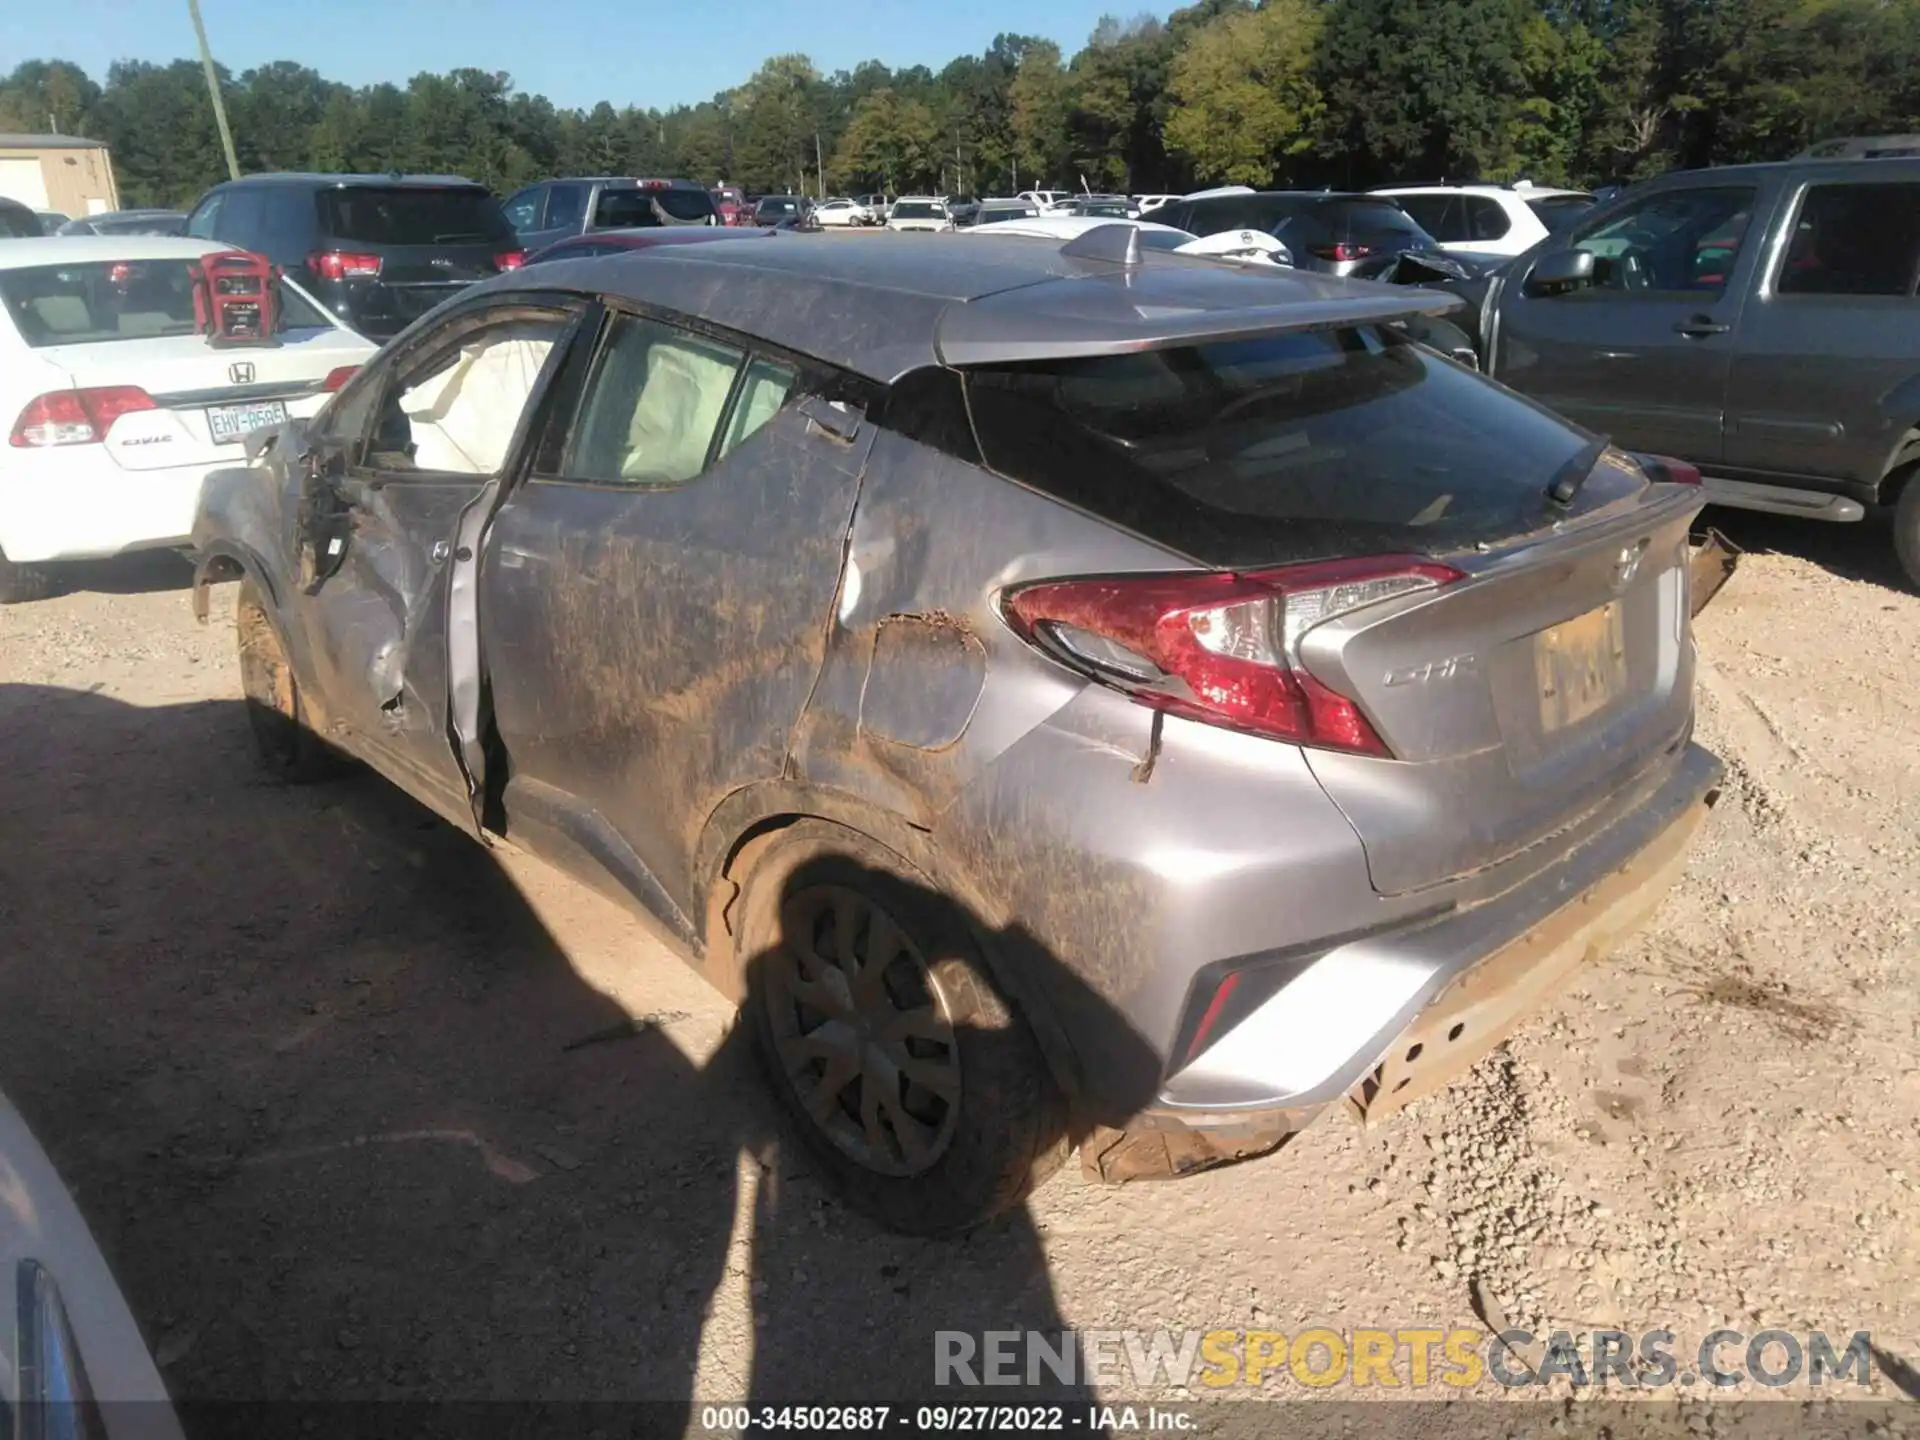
(236,299)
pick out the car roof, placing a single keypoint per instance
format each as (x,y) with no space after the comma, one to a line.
(301,177)
(53,249)
(881,309)
(1531,192)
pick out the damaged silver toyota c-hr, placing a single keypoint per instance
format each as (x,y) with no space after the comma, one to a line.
(1068,696)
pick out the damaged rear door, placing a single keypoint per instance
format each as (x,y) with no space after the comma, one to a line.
(415,447)
(658,590)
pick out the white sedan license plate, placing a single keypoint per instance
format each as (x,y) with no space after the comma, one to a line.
(1581,666)
(231,424)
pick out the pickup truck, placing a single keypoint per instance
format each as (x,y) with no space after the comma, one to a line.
(1760,322)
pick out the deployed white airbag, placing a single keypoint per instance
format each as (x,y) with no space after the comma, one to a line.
(463,418)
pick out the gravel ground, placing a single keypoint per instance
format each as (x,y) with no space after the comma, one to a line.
(359,1109)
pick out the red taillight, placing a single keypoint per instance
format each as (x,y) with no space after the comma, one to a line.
(76,417)
(1344,251)
(343,265)
(1222,647)
(339,376)
(509,259)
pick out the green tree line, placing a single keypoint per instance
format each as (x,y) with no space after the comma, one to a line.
(1280,92)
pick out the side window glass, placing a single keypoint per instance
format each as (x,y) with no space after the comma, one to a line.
(206,215)
(1678,241)
(651,407)
(452,407)
(765,389)
(239,220)
(1854,240)
(566,206)
(523,210)
(1486,219)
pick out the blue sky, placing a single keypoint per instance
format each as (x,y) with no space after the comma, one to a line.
(575,52)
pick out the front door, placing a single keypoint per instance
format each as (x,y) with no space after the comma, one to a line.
(657,595)
(1642,354)
(415,447)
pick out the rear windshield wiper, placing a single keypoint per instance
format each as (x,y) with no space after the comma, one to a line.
(1568,479)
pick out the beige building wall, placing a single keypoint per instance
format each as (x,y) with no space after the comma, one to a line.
(73,178)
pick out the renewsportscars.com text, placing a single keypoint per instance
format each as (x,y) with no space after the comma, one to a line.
(1406,1358)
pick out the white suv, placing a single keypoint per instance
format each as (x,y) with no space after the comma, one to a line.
(1491,219)
(920,212)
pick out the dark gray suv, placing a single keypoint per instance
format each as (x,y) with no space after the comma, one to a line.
(1759,321)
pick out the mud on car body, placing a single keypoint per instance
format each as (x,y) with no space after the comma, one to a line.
(1068,695)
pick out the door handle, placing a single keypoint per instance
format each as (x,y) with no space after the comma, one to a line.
(1699,327)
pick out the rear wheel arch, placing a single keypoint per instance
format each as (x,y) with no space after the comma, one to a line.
(746,824)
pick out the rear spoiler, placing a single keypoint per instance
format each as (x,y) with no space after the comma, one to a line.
(1109,299)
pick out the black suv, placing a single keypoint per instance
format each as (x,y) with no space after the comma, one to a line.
(1324,230)
(377,250)
(555,209)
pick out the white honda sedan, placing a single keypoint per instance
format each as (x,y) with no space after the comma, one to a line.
(116,405)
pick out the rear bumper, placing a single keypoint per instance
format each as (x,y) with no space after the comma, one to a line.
(52,509)
(1397,1015)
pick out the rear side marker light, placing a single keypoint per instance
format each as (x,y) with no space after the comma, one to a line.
(76,417)
(1222,647)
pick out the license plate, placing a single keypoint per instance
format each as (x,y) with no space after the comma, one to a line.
(231,424)
(1581,665)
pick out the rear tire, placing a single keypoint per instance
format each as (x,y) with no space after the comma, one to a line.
(283,741)
(20,583)
(1906,527)
(916,1086)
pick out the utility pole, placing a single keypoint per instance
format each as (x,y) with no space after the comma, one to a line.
(819,166)
(213,91)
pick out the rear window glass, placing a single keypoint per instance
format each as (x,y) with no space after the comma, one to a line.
(635,209)
(140,225)
(117,300)
(1290,446)
(412,215)
(1368,217)
(1560,213)
(916,210)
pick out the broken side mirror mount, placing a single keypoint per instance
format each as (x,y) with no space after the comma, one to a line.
(1559,271)
(323,520)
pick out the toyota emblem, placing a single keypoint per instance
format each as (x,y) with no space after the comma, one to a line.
(241,372)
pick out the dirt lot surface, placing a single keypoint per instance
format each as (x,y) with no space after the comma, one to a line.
(356,1108)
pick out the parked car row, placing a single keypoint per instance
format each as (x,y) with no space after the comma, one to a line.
(1213,542)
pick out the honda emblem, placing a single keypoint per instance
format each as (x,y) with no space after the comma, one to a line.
(240,372)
